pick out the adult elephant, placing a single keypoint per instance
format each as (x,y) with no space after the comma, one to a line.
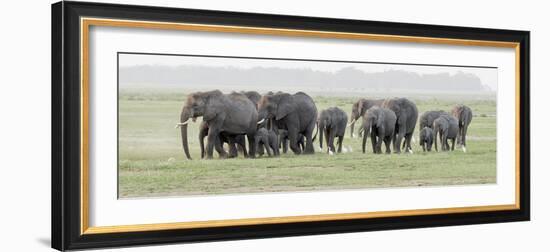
(359,108)
(427,118)
(233,114)
(295,113)
(407,114)
(332,123)
(380,124)
(464,116)
(236,142)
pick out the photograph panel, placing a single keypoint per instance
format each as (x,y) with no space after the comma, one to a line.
(304,121)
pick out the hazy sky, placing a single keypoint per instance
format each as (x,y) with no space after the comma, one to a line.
(488,76)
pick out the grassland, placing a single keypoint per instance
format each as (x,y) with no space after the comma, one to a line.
(152,163)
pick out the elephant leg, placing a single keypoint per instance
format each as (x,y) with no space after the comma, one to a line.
(364,145)
(213,135)
(259,150)
(218,146)
(460,135)
(242,145)
(251,144)
(340,140)
(233,152)
(453,144)
(445,143)
(408,138)
(265,142)
(308,134)
(373,139)
(440,140)
(399,138)
(331,137)
(202,134)
(387,142)
(285,145)
(327,140)
(275,148)
(293,139)
(423,146)
(379,144)
(465,130)
(267,149)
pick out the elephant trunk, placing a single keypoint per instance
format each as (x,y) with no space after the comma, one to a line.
(366,132)
(352,125)
(321,129)
(184,120)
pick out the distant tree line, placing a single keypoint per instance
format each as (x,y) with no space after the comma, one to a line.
(350,77)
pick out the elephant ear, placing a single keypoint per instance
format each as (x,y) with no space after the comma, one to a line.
(361,108)
(284,107)
(458,111)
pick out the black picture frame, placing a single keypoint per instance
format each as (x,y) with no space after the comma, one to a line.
(66,114)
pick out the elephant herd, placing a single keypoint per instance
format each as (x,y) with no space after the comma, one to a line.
(273,121)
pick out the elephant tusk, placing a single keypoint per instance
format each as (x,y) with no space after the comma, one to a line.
(261,121)
(352,122)
(181,124)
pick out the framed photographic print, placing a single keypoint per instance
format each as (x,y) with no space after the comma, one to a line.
(181,125)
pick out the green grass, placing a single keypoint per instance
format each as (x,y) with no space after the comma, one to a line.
(152,163)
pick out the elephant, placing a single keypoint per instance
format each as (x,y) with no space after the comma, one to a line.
(233,114)
(464,116)
(296,113)
(332,122)
(268,140)
(236,143)
(359,108)
(427,118)
(380,124)
(447,128)
(407,114)
(426,138)
(283,140)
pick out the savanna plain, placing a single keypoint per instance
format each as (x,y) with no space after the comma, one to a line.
(152,163)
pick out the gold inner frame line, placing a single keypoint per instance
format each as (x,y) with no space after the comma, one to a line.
(86,23)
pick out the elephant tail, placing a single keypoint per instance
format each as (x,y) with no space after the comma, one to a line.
(315,135)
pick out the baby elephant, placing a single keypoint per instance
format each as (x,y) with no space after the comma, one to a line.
(380,124)
(426,138)
(332,123)
(446,127)
(267,139)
